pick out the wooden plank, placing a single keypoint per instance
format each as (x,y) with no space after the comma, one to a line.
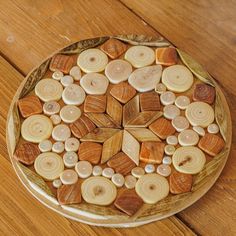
(204,30)
(27,208)
(31,31)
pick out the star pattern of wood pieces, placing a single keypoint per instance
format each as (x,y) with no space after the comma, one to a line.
(116,126)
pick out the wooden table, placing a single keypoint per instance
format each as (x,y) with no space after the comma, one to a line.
(32,30)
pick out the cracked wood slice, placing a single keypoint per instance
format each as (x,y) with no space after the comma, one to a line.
(131,110)
(162,128)
(143,119)
(99,135)
(123,92)
(121,163)
(82,126)
(114,109)
(111,146)
(131,147)
(143,134)
(102,120)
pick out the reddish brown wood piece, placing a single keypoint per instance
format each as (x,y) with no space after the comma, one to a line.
(114,48)
(27,153)
(30,105)
(180,182)
(166,56)
(152,152)
(204,93)
(211,144)
(123,92)
(69,194)
(62,63)
(95,103)
(162,128)
(90,151)
(129,202)
(121,163)
(82,126)
(149,101)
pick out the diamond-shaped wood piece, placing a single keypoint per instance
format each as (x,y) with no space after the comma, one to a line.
(121,163)
(82,126)
(114,109)
(162,128)
(166,56)
(111,146)
(123,92)
(113,48)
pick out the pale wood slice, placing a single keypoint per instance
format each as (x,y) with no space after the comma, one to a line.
(166,56)
(130,110)
(95,103)
(82,126)
(123,92)
(143,119)
(29,106)
(143,134)
(129,202)
(180,182)
(131,147)
(62,63)
(211,144)
(152,152)
(121,163)
(114,109)
(26,153)
(204,93)
(99,135)
(69,194)
(102,120)
(150,101)
(90,151)
(111,146)
(113,48)
(162,128)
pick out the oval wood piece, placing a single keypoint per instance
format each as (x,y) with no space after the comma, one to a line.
(123,92)
(26,153)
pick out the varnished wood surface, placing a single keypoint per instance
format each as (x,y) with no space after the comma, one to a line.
(32,30)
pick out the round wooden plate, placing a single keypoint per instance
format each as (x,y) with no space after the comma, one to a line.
(109,216)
